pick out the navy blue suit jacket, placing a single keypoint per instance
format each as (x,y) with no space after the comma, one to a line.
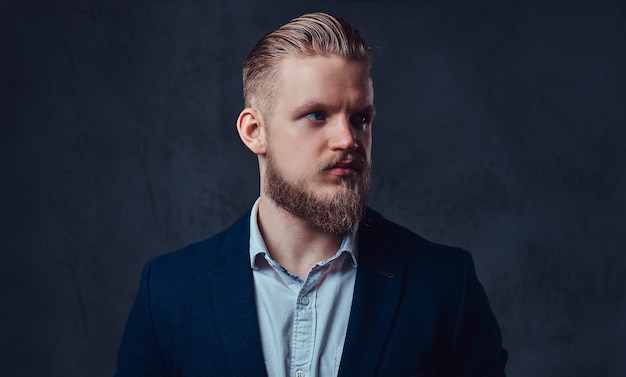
(418,310)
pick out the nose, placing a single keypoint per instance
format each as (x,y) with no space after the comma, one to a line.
(343,135)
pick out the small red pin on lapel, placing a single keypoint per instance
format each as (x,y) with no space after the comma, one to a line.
(384,273)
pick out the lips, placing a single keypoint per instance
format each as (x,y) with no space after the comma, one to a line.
(342,170)
(346,165)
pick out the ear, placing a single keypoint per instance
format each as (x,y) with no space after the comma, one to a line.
(250,128)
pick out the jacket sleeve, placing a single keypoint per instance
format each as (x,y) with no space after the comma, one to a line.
(476,349)
(139,352)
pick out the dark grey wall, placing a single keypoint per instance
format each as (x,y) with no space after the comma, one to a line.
(500,129)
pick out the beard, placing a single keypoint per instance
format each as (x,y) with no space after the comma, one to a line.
(335,214)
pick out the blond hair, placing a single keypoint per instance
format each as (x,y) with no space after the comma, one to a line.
(308,35)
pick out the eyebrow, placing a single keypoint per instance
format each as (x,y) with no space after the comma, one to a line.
(313,105)
(370,109)
(309,106)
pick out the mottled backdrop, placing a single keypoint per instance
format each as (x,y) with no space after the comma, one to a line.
(500,129)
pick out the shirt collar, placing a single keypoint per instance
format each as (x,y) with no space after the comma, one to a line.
(257,244)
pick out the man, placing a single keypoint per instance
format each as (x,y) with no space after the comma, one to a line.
(311,282)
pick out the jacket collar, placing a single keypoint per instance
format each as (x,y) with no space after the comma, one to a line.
(377,293)
(234,304)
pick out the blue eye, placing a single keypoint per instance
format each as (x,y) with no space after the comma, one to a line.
(316,116)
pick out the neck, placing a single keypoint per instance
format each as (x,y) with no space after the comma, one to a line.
(293,242)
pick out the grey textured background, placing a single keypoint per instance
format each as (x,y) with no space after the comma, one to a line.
(500,129)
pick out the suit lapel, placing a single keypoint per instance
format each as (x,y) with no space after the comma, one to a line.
(377,293)
(234,304)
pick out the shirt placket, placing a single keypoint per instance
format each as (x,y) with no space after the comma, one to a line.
(304,326)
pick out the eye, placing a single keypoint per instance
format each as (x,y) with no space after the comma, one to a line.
(359,120)
(316,116)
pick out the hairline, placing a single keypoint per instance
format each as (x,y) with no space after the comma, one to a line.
(274,80)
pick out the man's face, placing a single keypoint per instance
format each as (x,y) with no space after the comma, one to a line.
(319,141)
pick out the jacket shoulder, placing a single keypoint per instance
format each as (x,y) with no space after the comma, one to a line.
(390,236)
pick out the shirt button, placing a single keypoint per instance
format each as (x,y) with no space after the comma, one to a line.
(299,373)
(304,301)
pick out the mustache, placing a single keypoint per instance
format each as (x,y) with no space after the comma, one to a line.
(356,161)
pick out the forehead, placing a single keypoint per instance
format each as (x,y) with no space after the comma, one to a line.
(324,78)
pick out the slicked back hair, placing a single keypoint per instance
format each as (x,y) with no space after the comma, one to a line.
(306,36)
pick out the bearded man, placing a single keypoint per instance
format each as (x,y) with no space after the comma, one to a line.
(311,282)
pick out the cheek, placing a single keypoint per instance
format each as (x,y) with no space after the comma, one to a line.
(366,142)
(293,158)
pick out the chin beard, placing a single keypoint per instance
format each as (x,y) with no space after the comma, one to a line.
(336,214)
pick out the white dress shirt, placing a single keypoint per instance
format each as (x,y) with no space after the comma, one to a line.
(303,323)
